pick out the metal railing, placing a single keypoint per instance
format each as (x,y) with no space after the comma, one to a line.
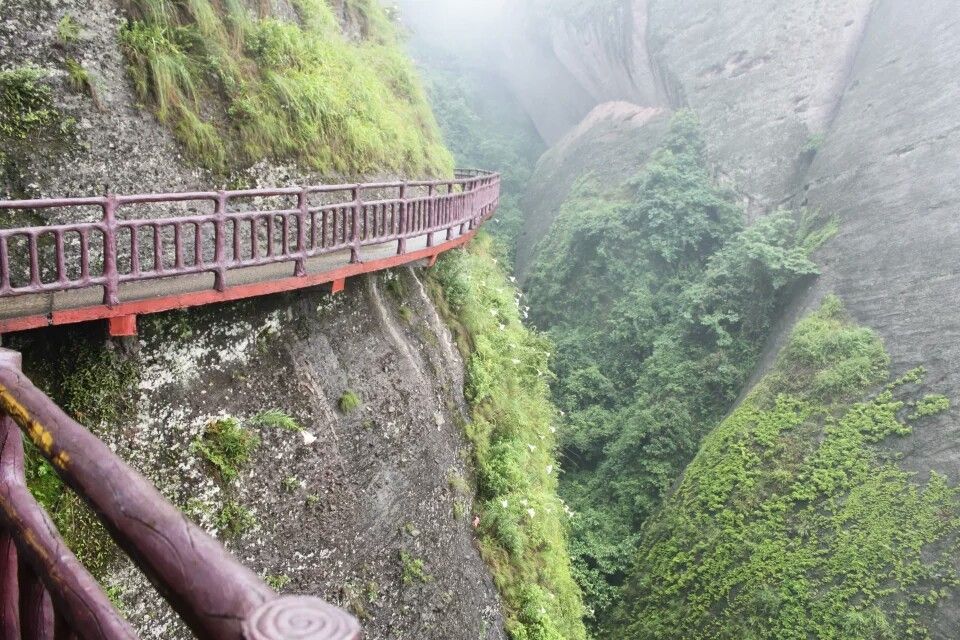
(305,222)
(45,593)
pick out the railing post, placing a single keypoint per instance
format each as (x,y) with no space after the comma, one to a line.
(111,289)
(402,242)
(300,269)
(431,208)
(11,461)
(357,208)
(220,242)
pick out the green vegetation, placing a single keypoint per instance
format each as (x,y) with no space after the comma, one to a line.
(27,117)
(237,86)
(658,300)
(234,520)
(291,484)
(791,523)
(277,582)
(523,523)
(226,445)
(412,569)
(277,419)
(68,31)
(349,402)
(81,81)
(813,144)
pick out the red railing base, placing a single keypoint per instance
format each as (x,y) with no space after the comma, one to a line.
(122,326)
(337,286)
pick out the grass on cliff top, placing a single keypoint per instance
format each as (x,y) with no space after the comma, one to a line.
(791,523)
(238,85)
(523,523)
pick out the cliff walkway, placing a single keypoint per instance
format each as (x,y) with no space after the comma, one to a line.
(115,257)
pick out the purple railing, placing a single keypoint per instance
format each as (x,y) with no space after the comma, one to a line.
(305,223)
(46,594)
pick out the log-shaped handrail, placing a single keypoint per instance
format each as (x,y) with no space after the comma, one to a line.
(46,593)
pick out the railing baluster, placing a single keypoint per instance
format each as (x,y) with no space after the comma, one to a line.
(300,268)
(198,244)
(269,220)
(177,246)
(4,265)
(402,223)
(9,582)
(431,206)
(36,607)
(111,290)
(11,465)
(237,240)
(60,257)
(355,236)
(220,241)
(157,249)
(34,258)
(135,249)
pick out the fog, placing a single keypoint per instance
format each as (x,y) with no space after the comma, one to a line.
(468,28)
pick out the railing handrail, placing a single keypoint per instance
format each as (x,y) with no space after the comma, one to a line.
(463,177)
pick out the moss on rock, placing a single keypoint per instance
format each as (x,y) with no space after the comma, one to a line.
(791,523)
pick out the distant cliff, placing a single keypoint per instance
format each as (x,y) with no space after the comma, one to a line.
(847,109)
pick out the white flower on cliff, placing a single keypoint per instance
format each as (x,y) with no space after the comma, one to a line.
(308,438)
(549,469)
(504,503)
(531,512)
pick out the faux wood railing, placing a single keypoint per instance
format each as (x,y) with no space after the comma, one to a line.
(46,594)
(119,249)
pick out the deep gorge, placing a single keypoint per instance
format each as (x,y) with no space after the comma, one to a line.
(696,379)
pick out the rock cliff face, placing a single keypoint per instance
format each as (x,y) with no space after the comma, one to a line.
(370,515)
(849,108)
(365,515)
(888,169)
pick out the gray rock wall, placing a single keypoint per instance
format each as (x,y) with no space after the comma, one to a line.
(890,170)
